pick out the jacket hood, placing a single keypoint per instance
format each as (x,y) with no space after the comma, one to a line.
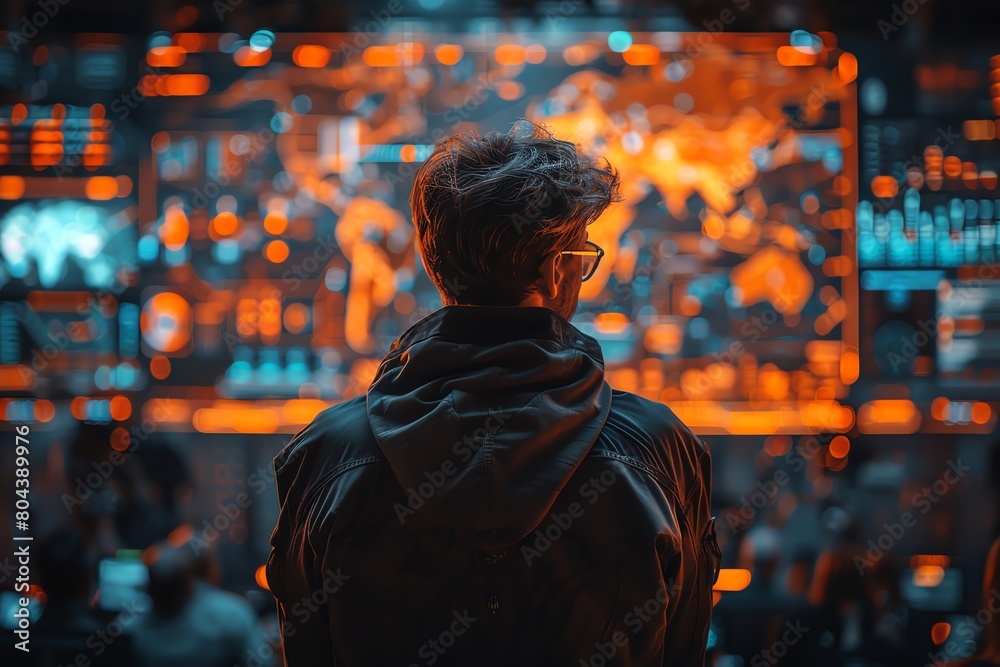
(484,413)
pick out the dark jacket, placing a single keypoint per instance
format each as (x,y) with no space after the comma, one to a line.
(492,501)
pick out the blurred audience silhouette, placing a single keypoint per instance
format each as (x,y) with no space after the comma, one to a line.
(69,627)
(988,654)
(193,623)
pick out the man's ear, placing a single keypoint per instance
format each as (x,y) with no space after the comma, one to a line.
(549,276)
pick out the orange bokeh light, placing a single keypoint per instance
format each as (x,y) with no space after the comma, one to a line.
(732,580)
(840,446)
(790,56)
(121,408)
(408,153)
(311,55)
(940,632)
(225,223)
(889,416)
(275,223)
(850,367)
(102,188)
(175,227)
(449,54)
(166,56)
(120,439)
(510,54)
(690,305)
(248,57)
(174,84)
(642,54)
(847,67)
(11,187)
(276,251)
(928,576)
(296,317)
(192,42)
(885,186)
(535,54)
(159,367)
(166,322)
(186,15)
(981,412)
(18,114)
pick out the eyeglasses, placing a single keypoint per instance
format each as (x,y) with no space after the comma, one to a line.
(591,258)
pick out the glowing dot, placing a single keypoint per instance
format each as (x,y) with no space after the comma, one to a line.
(981,412)
(121,408)
(619,41)
(940,407)
(159,367)
(175,227)
(690,305)
(296,317)
(840,446)
(225,223)
(806,42)
(535,54)
(186,15)
(160,142)
(510,90)
(18,114)
(952,166)
(510,54)
(11,187)
(810,203)
(191,42)
(311,55)
(275,223)
(449,54)
(886,187)
(778,445)
(261,40)
(120,439)
(44,410)
(277,251)
(847,67)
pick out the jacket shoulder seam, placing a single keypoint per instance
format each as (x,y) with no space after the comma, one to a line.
(327,478)
(694,487)
(657,475)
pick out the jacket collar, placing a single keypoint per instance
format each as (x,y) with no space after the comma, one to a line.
(481,324)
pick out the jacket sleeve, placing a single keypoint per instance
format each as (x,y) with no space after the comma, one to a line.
(292,575)
(709,554)
(699,568)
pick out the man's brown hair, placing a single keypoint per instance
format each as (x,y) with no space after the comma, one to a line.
(489,209)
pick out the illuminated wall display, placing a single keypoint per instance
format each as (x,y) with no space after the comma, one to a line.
(232,237)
